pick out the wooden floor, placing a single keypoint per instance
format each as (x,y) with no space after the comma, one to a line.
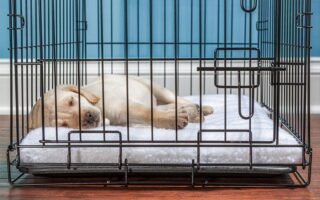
(99,192)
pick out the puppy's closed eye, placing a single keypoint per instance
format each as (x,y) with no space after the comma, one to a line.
(71,101)
(64,124)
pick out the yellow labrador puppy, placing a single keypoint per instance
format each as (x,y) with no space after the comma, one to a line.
(115,103)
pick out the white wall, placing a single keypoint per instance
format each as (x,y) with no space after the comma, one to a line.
(158,69)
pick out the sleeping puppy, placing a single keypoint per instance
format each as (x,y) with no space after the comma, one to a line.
(115,104)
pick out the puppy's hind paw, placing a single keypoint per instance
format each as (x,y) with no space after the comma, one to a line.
(207,110)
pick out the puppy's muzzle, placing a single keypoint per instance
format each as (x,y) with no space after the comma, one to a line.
(91,119)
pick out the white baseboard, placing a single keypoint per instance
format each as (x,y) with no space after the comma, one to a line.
(315,109)
(4,110)
(158,67)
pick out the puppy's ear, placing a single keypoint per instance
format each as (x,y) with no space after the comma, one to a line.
(88,95)
(35,115)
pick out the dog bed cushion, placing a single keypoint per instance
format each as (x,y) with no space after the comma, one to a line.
(262,130)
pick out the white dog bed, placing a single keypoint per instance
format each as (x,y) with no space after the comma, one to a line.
(262,130)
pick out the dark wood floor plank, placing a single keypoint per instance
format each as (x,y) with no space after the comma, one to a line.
(161,193)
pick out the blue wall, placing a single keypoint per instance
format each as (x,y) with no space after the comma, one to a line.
(4,33)
(158,36)
(163,29)
(315,32)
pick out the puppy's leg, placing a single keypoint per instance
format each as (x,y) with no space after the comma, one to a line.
(192,110)
(163,95)
(166,97)
(140,114)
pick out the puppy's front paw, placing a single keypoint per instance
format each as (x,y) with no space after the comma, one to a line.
(193,112)
(106,121)
(207,110)
(182,119)
(167,120)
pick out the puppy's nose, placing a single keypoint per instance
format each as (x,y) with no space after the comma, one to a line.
(90,117)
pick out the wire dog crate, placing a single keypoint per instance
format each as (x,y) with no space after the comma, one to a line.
(254,51)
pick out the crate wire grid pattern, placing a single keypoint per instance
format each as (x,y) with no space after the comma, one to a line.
(51,44)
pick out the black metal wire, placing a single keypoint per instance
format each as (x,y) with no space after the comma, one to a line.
(151,69)
(127,66)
